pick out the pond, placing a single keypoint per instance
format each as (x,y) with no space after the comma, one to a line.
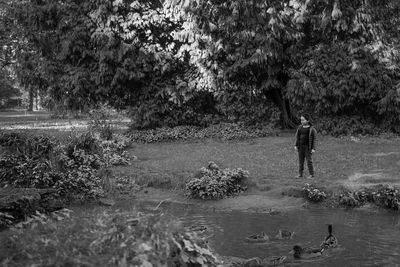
(366,238)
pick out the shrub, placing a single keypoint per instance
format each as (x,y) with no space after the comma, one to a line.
(108,239)
(126,184)
(78,174)
(71,169)
(214,183)
(387,197)
(313,194)
(85,141)
(113,150)
(353,199)
(26,145)
(99,121)
(20,171)
(348,125)
(383,195)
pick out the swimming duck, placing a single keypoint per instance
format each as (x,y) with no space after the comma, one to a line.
(284,234)
(306,253)
(331,240)
(257,238)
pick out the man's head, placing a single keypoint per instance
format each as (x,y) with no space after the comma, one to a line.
(305,119)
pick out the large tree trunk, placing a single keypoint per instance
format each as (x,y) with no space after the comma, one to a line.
(37,100)
(31,96)
(289,120)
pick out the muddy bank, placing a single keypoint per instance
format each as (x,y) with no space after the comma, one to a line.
(252,201)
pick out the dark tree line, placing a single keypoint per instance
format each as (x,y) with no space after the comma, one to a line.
(198,62)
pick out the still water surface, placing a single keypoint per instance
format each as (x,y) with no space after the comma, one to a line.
(366,238)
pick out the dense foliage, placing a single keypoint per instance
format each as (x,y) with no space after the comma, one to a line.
(312,193)
(72,168)
(382,195)
(224,131)
(347,82)
(176,62)
(108,239)
(214,183)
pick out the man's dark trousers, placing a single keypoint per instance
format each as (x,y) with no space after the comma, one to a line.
(305,153)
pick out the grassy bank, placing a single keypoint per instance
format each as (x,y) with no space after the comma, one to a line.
(272,161)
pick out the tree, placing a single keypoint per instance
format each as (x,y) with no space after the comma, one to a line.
(242,42)
(260,44)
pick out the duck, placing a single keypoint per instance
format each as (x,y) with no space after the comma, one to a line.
(257,238)
(284,234)
(330,240)
(306,253)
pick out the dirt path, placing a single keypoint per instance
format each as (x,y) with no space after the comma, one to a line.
(272,163)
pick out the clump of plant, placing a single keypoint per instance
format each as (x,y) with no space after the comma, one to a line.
(70,167)
(348,125)
(383,195)
(353,199)
(107,239)
(113,150)
(214,183)
(99,121)
(28,161)
(313,194)
(27,145)
(387,197)
(126,184)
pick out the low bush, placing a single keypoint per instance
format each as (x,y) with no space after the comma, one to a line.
(354,199)
(214,183)
(224,131)
(113,150)
(99,121)
(313,194)
(383,195)
(348,125)
(108,239)
(126,184)
(70,168)
(27,145)
(387,197)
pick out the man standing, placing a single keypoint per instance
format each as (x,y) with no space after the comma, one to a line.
(305,145)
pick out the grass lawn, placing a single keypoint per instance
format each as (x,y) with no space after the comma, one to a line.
(271,161)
